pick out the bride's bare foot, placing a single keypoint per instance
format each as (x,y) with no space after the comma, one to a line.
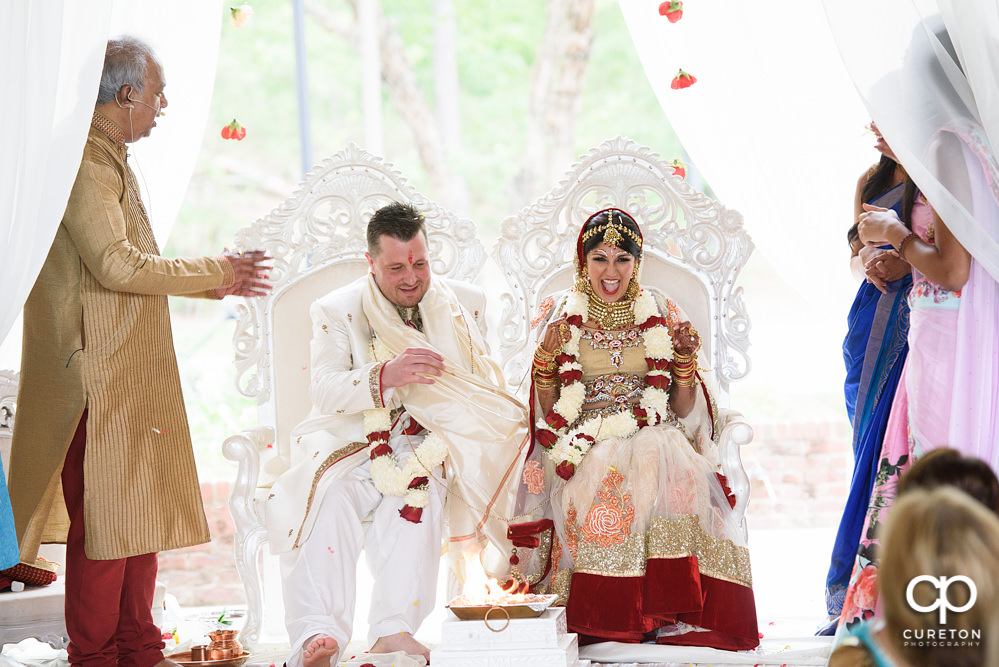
(320,651)
(402,641)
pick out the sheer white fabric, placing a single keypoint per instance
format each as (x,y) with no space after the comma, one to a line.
(51,54)
(185,36)
(901,55)
(773,124)
(927,70)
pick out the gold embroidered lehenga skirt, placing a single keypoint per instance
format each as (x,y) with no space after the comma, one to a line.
(647,547)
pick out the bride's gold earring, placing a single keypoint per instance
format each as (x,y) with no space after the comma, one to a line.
(633,286)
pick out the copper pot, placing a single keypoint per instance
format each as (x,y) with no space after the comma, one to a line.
(224,645)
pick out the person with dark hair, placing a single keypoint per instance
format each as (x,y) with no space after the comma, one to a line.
(101,457)
(949,467)
(646,545)
(401,386)
(874,351)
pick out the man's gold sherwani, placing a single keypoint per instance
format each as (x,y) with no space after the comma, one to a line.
(97,337)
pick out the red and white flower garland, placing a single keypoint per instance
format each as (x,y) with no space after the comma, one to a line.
(566,447)
(411,479)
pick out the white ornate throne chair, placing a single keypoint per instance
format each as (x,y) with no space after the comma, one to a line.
(317,239)
(694,249)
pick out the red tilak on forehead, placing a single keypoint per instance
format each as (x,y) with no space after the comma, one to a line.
(411,257)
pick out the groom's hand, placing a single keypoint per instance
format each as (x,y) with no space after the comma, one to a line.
(415,364)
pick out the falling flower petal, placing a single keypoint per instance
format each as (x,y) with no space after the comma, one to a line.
(683,80)
(234,131)
(238,16)
(679,168)
(672,10)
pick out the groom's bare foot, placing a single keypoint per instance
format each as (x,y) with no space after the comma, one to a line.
(320,651)
(402,641)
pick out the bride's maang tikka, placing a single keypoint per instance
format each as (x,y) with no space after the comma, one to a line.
(612,231)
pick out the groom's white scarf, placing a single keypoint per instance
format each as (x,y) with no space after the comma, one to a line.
(485,427)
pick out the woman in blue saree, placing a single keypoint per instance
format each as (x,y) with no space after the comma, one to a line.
(874,352)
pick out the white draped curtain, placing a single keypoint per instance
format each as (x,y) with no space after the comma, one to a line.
(924,66)
(51,54)
(773,123)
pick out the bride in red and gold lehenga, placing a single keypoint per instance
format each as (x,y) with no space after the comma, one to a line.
(646,547)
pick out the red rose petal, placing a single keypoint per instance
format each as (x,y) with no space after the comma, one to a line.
(565,470)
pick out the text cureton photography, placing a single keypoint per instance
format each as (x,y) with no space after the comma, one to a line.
(942,636)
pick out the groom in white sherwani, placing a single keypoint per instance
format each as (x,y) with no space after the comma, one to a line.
(402,389)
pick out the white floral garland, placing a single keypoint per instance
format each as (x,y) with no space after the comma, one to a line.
(390,479)
(566,448)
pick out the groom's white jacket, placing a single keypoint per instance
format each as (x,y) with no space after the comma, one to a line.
(345,381)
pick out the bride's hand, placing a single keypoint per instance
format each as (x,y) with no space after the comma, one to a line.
(686,340)
(556,335)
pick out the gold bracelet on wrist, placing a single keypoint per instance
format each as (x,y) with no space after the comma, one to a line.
(541,353)
(547,369)
(685,382)
(545,383)
(901,246)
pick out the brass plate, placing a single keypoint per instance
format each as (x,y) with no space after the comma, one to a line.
(185,659)
(523,610)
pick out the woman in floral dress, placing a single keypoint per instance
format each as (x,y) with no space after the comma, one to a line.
(646,545)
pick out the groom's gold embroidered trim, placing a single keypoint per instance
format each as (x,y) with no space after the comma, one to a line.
(375,384)
(335,457)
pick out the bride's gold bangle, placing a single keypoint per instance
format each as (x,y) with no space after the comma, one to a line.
(545,383)
(544,355)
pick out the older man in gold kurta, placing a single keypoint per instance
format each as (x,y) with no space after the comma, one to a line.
(100,428)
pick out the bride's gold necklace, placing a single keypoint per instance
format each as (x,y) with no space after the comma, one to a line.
(616,315)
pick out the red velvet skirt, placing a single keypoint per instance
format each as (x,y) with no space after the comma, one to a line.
(647,547)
